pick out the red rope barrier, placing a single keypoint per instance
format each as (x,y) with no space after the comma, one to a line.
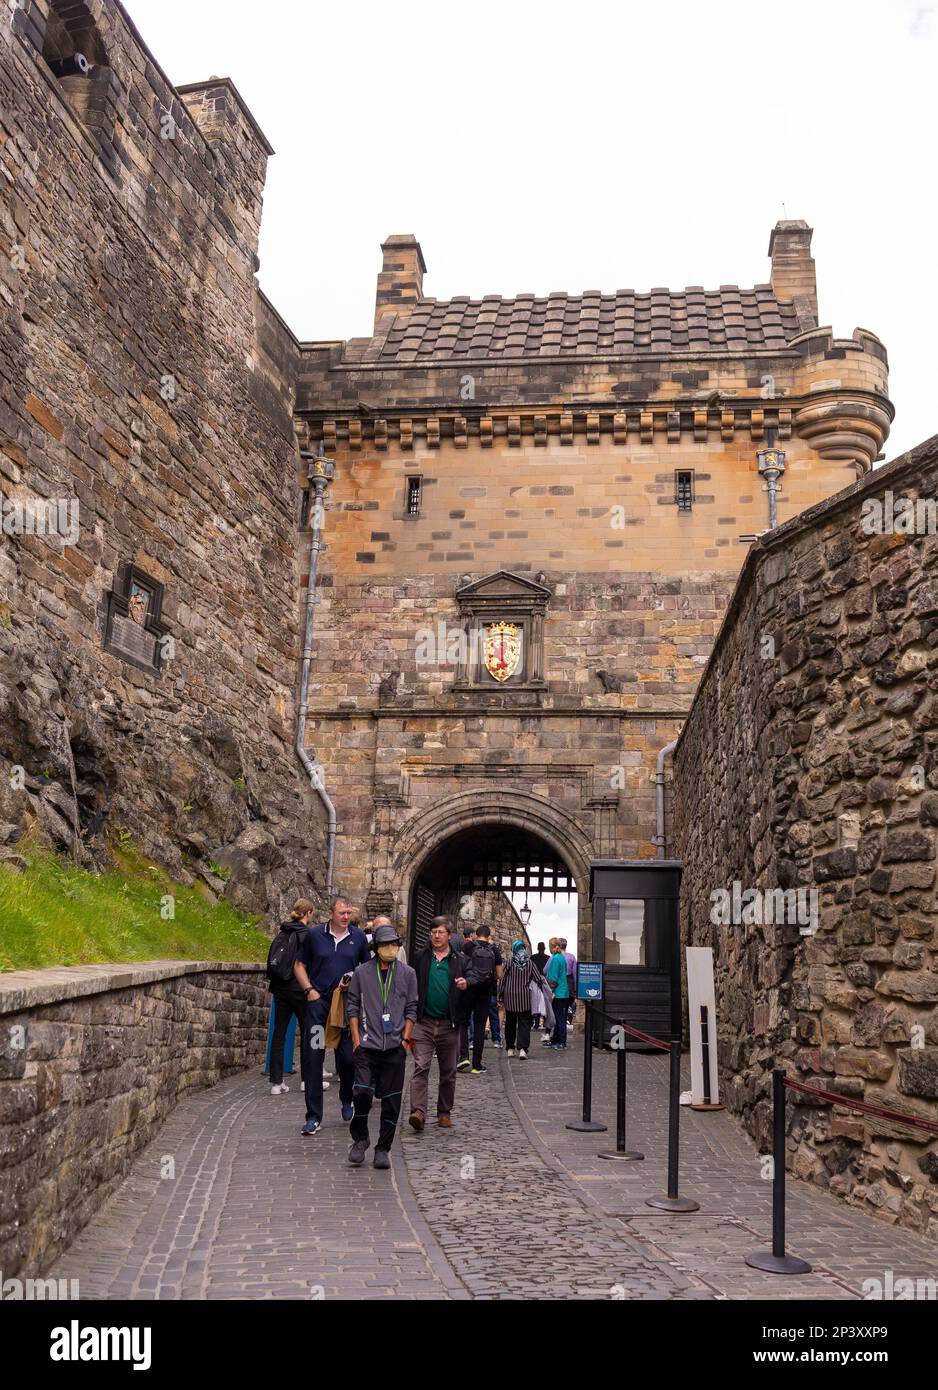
(853,1104)
(635,1032)
(646,1037)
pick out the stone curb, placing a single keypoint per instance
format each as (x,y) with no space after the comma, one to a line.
(30,989)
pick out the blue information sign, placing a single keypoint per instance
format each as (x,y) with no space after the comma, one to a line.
(589,981)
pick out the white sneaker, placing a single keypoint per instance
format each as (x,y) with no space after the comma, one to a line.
(327,1074)
(523,1054)
(511,1052)
(279,1090)
(325,1085)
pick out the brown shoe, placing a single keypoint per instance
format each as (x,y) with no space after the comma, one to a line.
(444,1122)
(416,1121)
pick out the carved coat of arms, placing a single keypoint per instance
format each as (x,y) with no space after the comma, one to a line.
(502,649)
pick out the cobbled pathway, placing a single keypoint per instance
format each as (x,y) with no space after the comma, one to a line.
(230,1201)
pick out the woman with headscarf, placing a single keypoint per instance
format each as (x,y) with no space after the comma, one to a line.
(514,992)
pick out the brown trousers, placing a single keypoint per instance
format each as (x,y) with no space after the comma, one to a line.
(439,1036)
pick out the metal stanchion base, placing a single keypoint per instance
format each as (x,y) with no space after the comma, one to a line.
(672,1203)
(586,1126)
(778,1264)
(628,1154)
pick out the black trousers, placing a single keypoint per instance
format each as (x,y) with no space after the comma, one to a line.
(313,1054)
(286,1006)
(475,1005)
(518,1025)
(378,1076)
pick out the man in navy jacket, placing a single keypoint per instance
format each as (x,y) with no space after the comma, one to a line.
(327,958)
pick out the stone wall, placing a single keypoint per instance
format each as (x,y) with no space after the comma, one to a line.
(496,910)
(92,1060)
(810,762)
(144,379)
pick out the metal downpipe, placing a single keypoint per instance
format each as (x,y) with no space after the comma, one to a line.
(660,838)
(313,770)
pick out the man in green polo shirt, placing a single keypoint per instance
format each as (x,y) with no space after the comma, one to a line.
(441,977)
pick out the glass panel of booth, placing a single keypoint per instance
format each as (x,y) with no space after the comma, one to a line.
(624,931)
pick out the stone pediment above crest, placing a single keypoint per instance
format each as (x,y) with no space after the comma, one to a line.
(503,584)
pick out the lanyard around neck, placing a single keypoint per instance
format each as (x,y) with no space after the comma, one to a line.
(385,991)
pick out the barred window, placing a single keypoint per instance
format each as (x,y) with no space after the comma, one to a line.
(684,489)
(413,496)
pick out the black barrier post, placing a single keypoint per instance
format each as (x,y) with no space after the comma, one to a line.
(587,1124)
(674,1201)
(620,1150)
(776,1261)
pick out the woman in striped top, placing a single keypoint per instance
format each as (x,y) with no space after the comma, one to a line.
(514,992)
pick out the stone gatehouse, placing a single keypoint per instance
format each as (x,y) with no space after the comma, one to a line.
(581,473)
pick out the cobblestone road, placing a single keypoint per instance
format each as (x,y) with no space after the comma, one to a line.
(506,1204)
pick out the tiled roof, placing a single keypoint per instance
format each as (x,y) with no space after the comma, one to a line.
(686,321)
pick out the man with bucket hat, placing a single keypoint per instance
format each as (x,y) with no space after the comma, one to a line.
(381,1006)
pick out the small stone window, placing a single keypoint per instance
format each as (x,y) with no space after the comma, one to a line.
(412,498)
(684,489)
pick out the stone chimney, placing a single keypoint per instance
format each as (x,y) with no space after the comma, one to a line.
(400,280)
(793,276)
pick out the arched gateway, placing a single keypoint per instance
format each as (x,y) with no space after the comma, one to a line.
(488,840)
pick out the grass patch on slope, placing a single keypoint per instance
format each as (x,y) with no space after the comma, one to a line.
(53,913)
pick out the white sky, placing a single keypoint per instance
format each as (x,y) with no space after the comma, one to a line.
(533,145)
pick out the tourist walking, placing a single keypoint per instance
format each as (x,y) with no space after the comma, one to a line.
(540,959)
(441,978)
(328,957)
(381,921)
(456,939)
(382,1008)
(570,958)
(514,991)
(288,998)
(539,1002)
(557,979)
(483,970)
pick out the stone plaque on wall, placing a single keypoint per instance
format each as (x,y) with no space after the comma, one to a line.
(133,630)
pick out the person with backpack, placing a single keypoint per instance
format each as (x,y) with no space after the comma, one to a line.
(484,969)
(514,991)
(288,999)
(382,1010)
(326,961)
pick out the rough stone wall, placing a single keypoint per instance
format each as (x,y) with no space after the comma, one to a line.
(143,377)
(93,1060)
(494,909)
(810,760)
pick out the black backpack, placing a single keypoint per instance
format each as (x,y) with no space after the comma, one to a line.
(481,964)
(281,957)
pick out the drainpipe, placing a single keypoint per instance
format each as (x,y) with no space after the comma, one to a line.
(321,471)
(771,464)
(660,838)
